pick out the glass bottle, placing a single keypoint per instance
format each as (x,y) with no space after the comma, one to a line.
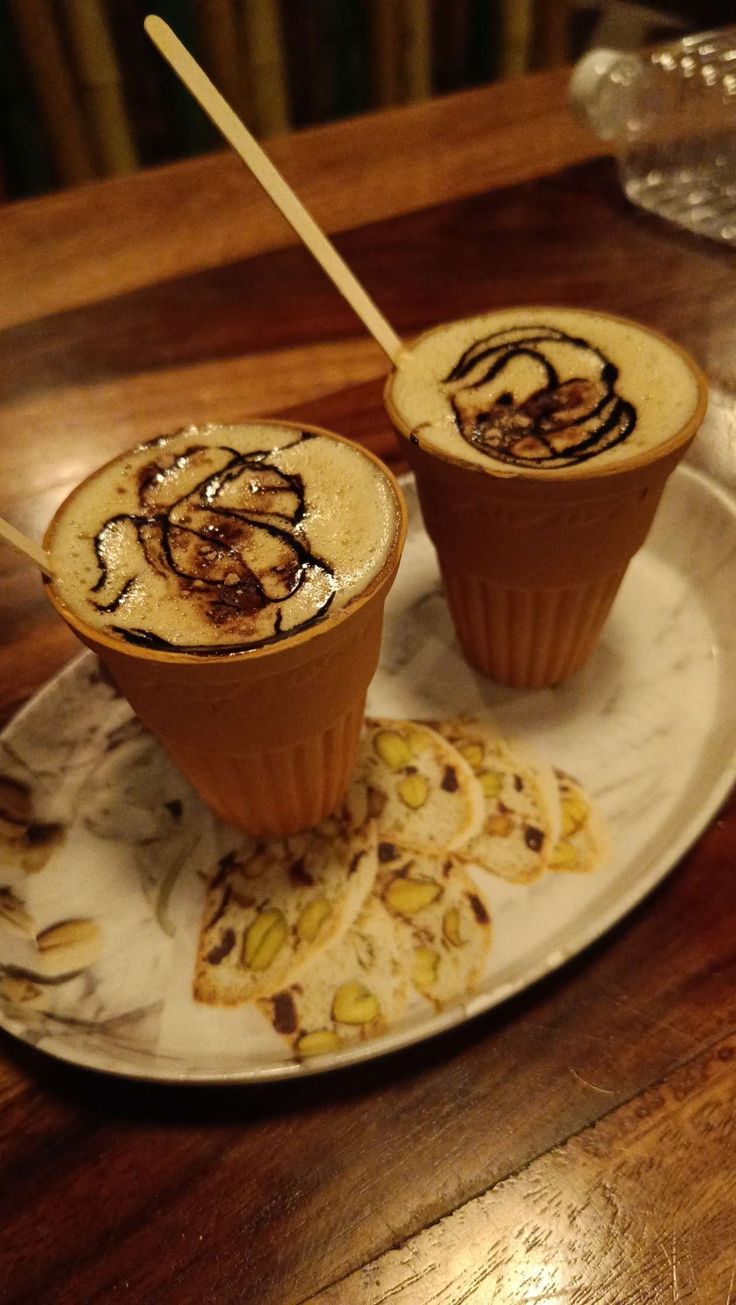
(671,113)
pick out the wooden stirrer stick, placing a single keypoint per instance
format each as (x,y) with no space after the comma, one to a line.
(237,134)
(22,544)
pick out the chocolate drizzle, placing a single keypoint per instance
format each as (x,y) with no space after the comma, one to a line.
(146,638)
(571,415)
(118,599)
(229,542)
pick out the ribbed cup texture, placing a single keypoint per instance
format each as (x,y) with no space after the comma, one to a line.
(528,638)
(282,790)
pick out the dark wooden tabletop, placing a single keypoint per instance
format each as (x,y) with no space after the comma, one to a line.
(578,1144)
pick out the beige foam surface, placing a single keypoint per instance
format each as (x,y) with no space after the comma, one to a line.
(223,536)
(532,387)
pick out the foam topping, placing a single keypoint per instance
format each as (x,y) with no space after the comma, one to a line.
(223,538)
(543,389)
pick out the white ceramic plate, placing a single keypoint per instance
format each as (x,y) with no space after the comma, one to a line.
(649,727)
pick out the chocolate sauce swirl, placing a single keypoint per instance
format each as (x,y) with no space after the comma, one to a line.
(220,539)
(534,396)
(229,543)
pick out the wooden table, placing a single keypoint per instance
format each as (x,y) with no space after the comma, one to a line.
(576,1145)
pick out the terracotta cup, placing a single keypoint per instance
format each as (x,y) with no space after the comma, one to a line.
(267,737)
(532,560)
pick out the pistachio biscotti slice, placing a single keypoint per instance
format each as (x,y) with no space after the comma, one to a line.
(271,904)
(421,791)
(355,989)
(443,916)
(520,822)
(583,841)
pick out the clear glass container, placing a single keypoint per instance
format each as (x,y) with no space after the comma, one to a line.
(671,113)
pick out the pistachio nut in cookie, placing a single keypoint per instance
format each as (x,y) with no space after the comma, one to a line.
(355,989)
(417,785)
(583,841)
(443,915)
(271,904)
(520,820)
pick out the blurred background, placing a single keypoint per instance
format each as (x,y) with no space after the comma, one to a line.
(83,93)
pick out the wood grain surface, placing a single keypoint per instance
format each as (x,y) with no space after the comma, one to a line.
(566,1229)
(576,1144)
(108,238)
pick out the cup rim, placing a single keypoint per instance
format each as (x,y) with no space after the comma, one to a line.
(584,472)
(99,636)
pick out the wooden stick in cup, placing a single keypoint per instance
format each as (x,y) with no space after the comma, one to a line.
(33,552)
(237,134)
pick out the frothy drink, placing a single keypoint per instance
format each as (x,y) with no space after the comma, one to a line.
(223,538)
(547,390)
(541,439)
(232,579)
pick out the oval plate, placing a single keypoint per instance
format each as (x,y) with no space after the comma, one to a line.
(649,727)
